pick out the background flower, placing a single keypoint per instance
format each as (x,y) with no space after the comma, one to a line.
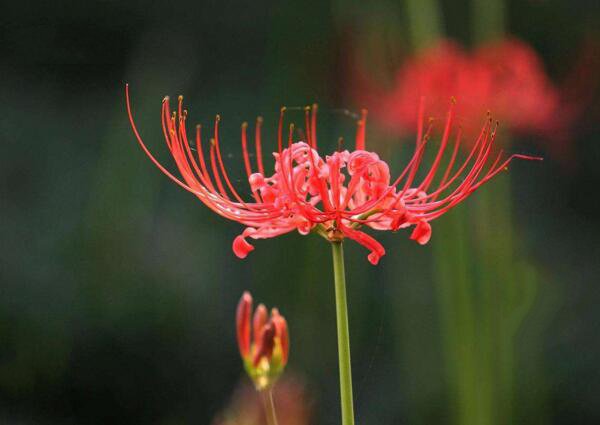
(505,76)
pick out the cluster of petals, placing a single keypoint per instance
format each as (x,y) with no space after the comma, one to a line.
(263,341)
(337,196)
(257,333)
(506,77)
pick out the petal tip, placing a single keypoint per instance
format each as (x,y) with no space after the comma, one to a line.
(373,258)
(241,247)
(421,233)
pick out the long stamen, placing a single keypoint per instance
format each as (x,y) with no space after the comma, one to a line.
(245,150)
(280,149)
(360,130)
(188,152)
(476,146)
(420,139)
(322,184)
(484,150)
(420,116)
(145,149)
(429,178)
(451,162)
(417,156)
(213,164)
(200,193)
(165,121)
(214,201)
(455,200)
(307,126)
(257,142)
(201,159)
(247,164)
(291,160)
(280,130)
(307,208)
(373,202)
(313,126)
(222,165)
(288,184)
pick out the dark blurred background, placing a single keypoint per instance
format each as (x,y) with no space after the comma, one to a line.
(118,289)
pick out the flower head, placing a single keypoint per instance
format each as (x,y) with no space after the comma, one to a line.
(336,196)
(263,342)
(506,77)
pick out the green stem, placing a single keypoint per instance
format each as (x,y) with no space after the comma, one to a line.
(341,307)
(267,397)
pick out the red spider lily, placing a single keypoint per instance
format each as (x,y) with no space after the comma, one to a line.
(263,341)
(506,77)
(335,196)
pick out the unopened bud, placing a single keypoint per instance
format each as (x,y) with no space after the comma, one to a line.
(263,342)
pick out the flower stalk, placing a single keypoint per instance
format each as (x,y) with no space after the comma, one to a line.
(269,404)
(341,307)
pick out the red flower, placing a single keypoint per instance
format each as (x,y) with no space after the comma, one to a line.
(335,196)
(263,341)
(506,77)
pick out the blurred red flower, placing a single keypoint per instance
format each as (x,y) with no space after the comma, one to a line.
(506,77)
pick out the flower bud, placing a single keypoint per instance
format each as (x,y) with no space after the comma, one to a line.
(263,342)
